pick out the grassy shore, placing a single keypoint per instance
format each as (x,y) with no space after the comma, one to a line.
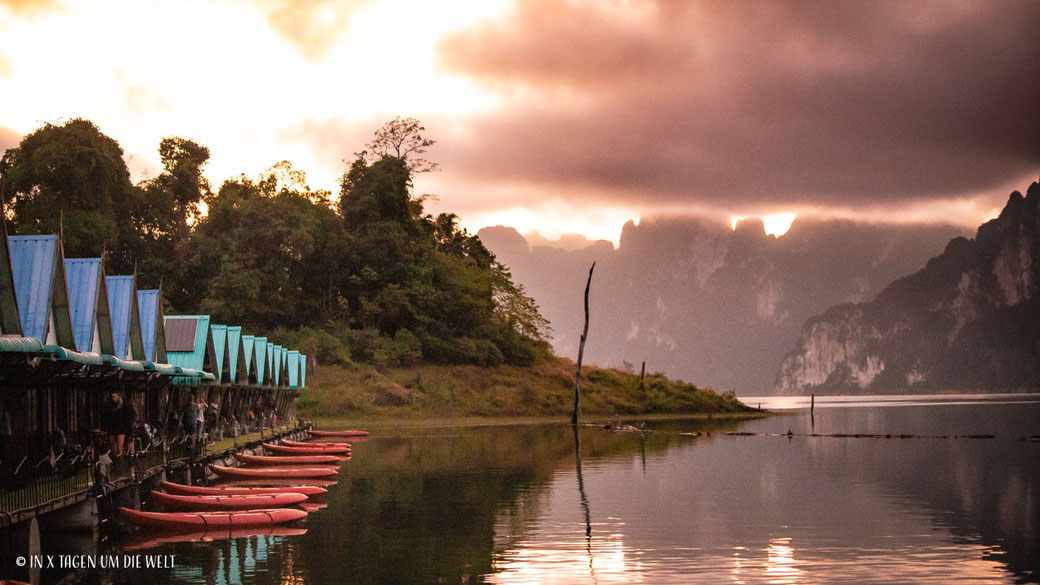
(545,390)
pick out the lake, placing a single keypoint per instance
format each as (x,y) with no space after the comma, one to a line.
(683,502)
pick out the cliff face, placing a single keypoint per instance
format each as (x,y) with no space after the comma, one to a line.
(706,303)
(970,320)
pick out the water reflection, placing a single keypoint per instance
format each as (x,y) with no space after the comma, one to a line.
(499,505)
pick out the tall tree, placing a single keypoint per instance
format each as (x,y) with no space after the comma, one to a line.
(403,139)
(76,172)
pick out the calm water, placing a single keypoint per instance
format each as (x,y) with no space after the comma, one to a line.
(516,505)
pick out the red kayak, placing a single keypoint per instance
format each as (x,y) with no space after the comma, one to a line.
(286,450)
(265,472)
(251,502)
(313,444)
(198,490)
(196,521)
(144,540)
(290,459)
(340,433)
(286,482)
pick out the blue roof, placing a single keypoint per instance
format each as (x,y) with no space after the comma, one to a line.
(148,304)
(83,276)
(260,346)
(126,325)
(219,335)
(32,266)
(303,370)
(285,366)
(293,360)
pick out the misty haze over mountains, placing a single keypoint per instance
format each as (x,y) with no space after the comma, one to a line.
(700,301)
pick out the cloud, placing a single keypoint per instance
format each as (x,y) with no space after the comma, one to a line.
(835,104)
(312,26)
(9,139)
(31,7)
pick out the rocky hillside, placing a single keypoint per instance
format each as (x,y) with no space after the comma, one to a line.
(703,302)
(970,320)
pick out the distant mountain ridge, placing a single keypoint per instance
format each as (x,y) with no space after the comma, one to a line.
(969,321)
(706,303)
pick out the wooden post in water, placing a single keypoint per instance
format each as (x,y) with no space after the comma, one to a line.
(812,403)
(581,348)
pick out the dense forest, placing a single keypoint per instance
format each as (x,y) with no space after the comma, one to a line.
(366,276)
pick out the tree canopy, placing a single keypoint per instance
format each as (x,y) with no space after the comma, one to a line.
(368,277)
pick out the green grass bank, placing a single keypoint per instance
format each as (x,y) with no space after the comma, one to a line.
(546,389)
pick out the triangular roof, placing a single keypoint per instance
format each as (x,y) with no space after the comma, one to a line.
(188,342)
(303,370)
(284,378)
(153,333)
(249,360)
(275,355)
(260,363)
(10,322)
(126,317)
(236,356)
(38,271)
(218,333)
(88,304)
(293,364)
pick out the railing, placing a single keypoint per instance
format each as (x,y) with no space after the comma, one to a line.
(34,483)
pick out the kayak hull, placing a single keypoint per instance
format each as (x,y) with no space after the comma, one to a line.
(286,450)
(206,521)
(197,490)
(273,472)
(313,444)
(226,502)
(339,433)
(289,459)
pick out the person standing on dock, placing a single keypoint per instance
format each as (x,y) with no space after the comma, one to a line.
(190,415)
(117,420)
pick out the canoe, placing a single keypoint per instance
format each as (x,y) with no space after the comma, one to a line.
(227,502)
(290,459)
(195,521)
(313,506)
(286,450)
(265,472)
(339,433)
(290,482)
(145,540)
(198,490)
(313,444)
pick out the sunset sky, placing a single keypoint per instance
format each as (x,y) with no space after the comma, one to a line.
(564,116)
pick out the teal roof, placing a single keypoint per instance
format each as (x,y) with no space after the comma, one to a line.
(236,359)
(261,365)
(293,360)
(82,357)
(248,356)
(285,367)
(276,363)
(219,335)
(14,343)
(303,370)
(196,358)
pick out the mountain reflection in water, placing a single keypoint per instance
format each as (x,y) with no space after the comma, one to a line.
(507,504)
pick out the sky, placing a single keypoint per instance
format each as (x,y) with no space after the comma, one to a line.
(564,116)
